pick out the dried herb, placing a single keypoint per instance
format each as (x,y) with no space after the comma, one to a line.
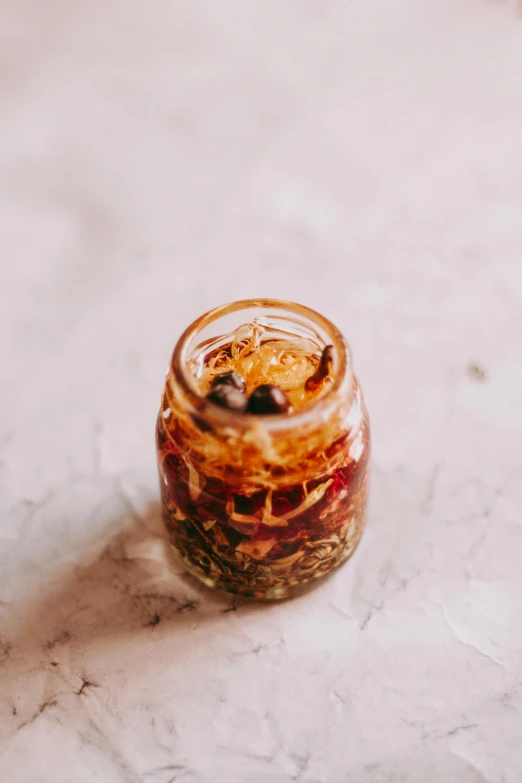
(249,513)
(324,370)
(269,540)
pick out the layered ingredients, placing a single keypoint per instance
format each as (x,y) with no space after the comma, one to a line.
(264,461)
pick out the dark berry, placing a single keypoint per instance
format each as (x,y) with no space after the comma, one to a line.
(268,399)
(229,397)
(230,378)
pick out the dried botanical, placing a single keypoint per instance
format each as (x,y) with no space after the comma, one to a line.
(249,512)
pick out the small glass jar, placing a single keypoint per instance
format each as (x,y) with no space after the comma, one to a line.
(263,506)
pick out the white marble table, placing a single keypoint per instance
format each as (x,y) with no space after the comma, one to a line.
(157,159)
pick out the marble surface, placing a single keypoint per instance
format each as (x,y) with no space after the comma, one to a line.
(160,158)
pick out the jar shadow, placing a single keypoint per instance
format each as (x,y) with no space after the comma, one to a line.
(134,584)
(132,594)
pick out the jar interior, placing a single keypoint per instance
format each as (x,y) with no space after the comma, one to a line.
(280,339)
(263,505)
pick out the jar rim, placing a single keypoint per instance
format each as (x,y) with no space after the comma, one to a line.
(323,406)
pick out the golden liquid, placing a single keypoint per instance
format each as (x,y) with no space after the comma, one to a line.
(261,354)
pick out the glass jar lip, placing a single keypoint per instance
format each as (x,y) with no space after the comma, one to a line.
(220,416)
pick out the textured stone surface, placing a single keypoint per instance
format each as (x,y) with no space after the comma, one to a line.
(160,158)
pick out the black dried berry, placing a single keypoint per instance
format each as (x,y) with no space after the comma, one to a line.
(268,399)
(230,378)
(229,397)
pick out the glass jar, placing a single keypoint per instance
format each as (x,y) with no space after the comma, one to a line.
(263,505)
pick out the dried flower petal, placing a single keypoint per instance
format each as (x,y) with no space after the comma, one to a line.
(257,549)
(195,483)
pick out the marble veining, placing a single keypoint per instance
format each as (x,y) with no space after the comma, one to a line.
(159,159)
